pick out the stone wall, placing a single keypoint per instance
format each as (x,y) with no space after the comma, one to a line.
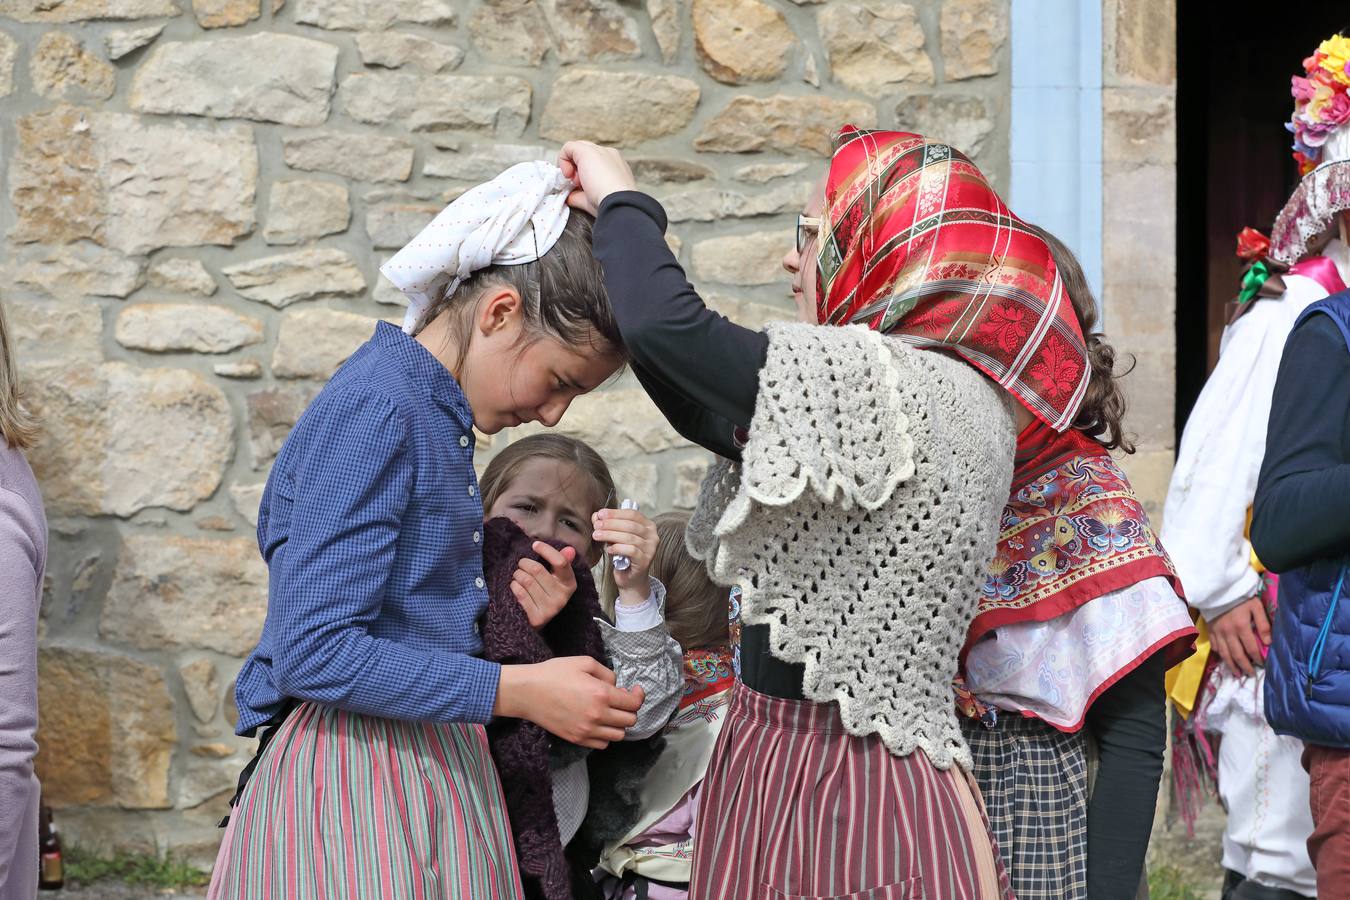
(197,198)
(1139,185)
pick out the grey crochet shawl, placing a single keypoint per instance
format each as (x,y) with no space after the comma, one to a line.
(860,521)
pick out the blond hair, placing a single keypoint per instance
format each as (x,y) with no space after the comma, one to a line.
(696,609)
(17,425)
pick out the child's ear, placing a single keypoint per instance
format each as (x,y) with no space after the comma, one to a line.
(499,309)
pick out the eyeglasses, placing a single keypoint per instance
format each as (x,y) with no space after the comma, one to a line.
(808,227)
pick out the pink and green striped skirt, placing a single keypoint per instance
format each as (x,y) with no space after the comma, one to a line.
(347,805)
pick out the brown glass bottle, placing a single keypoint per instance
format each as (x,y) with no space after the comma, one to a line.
(51,874)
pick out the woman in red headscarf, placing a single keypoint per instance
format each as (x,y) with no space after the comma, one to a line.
(857,504)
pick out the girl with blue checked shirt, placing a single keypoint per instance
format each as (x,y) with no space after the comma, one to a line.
(373,777)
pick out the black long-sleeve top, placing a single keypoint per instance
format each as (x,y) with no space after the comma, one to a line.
(699,368)
(1302,508)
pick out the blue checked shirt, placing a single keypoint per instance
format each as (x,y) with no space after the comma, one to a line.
(371,527)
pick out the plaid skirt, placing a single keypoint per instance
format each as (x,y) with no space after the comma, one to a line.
(346,805)
(1034,779)
(795,807)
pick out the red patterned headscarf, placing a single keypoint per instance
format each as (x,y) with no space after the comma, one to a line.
(916,244)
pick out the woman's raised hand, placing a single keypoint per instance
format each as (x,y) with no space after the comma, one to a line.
(573,697)
(598,172)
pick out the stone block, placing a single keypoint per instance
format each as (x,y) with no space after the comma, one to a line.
(62,69)
(496,105)
(117,439)
(964,121)
(750,313)
(391,225)
(668,171)
(619,108)
(782,124)
(86,10)
(713,204)
(312,343)
(9,56)
(665,19)
(201,683)
(763,173)
(740,41)
(973,35)
(300,211)
(1150,473)
(61,333)
(688,478)
(373,15)
(185,327)
(182,274)
(511,32)
(272,413)
(226,13)
(394,50)
(243,370)
(173,593)
(360,157)
(1139,221)
(125,41)
(1146,41)
(303,275)
(129,184)
(265,77)
(484,163)
(107,733)
(77,270)
(247,499)
(744,259)
(874,45)
(1150,395)
(1139,127)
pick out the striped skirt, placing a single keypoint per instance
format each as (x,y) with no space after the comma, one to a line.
(793,807)
(1034,779)
(346,805)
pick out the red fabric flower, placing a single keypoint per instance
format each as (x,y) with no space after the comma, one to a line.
(1252,245)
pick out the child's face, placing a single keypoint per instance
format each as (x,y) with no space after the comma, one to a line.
(510,379)
(802,265)
(550,500)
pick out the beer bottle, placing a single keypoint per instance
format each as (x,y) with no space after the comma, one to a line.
(51,876)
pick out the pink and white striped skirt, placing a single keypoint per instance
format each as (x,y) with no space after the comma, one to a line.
(346,805)
(794,807)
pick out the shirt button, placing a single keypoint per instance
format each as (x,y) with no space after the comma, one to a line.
(472,490)
(463,441)
(478,582)
(477,536)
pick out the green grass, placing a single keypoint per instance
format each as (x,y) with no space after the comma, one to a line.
(160,870)
(1168,883)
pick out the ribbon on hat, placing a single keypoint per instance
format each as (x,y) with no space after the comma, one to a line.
(515,218)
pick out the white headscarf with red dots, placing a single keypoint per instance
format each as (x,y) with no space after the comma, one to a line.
(487,225)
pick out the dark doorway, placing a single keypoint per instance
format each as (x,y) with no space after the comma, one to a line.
(1234,162)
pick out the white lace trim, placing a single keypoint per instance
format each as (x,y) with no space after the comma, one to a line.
(1310,211)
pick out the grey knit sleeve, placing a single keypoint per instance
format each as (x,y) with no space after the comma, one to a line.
(653,659)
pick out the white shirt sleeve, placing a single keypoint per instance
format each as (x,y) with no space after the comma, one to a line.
(1219,461)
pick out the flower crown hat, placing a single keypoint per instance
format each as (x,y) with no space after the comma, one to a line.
(1321,128)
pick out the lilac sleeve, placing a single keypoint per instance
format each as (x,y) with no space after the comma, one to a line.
(22,557)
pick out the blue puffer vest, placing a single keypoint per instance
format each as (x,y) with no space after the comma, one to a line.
(1308,670)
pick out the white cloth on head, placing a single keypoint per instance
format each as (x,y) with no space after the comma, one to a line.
(487,225)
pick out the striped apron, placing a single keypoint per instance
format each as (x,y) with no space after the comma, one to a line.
(794,807)
(347,805)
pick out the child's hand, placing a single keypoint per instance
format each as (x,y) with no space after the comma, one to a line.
(573,697)
(627,532)
(540,592)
